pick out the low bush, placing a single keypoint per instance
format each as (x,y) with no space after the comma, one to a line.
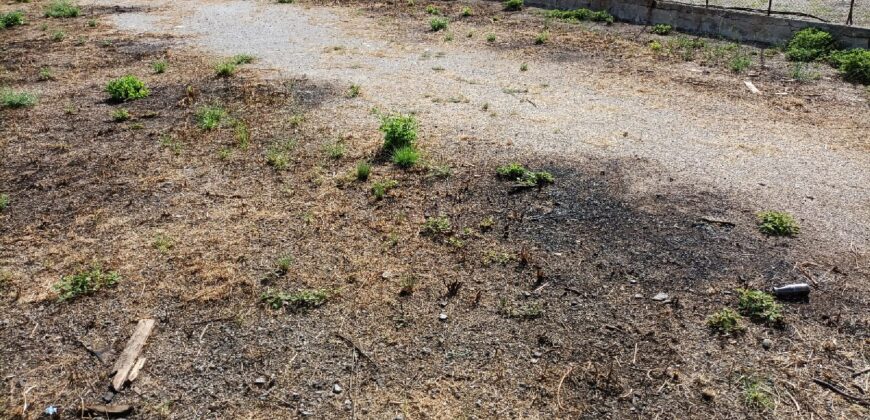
(4,201)
(127,88)
(581,15)
(853,64)
(11,19)
(380,188)
(62,9)
(121,114)
(363,170)
(523,176)
(226,69)
(810,44)
(432,10)
(437,24)
(299,300)
(210,117)
(725,321)
(661,29)
(759,306)
(85,283)
(159,66)
(12,99)
(406,157)
(399,131)
(777,223)
(513,5)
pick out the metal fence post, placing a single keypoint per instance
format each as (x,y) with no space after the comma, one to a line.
(849,18)
(770,6)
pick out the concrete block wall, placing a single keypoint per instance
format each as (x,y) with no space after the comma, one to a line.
(730,24)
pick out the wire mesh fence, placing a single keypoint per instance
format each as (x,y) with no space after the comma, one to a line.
(848,12)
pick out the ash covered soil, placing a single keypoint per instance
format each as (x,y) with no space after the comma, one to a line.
(532,303)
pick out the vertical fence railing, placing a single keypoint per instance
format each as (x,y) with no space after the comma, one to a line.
(770,10)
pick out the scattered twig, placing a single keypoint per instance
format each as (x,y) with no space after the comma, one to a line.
(857,374)
(94,353)
(363,354)
(559,388)
(844,394)
(127,360)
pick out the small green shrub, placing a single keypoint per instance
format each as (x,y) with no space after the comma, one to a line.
(524,67)
(58,36)
(739,62)
(757,396)
(406,157)
(381,188)
(542,38)
(278,154)
(759,306)
(725,321)
(120,114)
(159,66)
(85,283)
(240,59)
(92,23)
(532,310)
(437,24)
(466,11)
(661,29)
(432,10)
(11,19)
(655,46)
(226,69)
(353,91)
(299,300)
(490,38)
(163,243)
(242,134)
(777,223)
(210,117)
(127,88)
(4,201)
(853,64)
(399,131)
(62,9)
(513,5)
(523,176)
(45,74)
(12,99)
(810,44)
(363,170)
(335,150)
(438,225)
(283,264)
(581,14)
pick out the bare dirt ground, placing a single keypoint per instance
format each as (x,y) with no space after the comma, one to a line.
(547,313)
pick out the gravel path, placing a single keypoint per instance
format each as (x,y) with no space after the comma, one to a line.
(568,108)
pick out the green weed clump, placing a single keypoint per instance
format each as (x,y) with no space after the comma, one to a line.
(62,9)
(513,5)
(661,29)
(725,321)
(299,300)
(4,201)
(11,19)
(120,115)
(432,10)
(739,63)
(756,395)
(437,24)
(240,59)
(85,283)
(759,306)
(777,223)
(581,14)
(226,69)
(853,64)
(278,154)
(810,44)
(406,157)
(127,88)
(524,177)
(12,99)
(531,310)
(542,37)
(363,170)
(210,117)
(159,66)
(399,131)
(381,188)
(466,11)
(437,225)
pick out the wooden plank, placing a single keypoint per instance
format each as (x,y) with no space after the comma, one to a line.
(134,372)
(751,87)
(128,358)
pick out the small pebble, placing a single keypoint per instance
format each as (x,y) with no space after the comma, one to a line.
(766,343)
(442,316)
(661,297)
(337,389)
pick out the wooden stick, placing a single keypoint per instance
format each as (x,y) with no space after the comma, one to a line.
(128,358)
(842,393)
